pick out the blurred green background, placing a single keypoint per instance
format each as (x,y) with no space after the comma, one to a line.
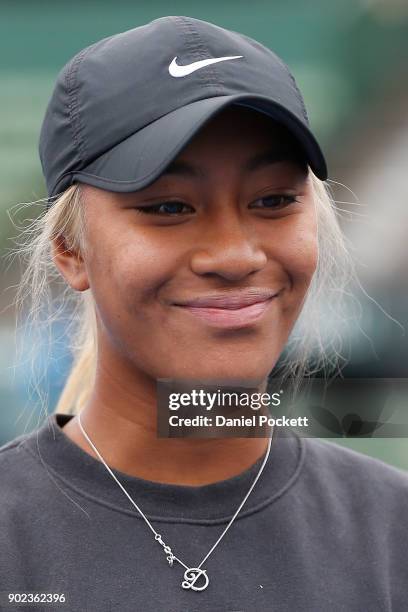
(349,59)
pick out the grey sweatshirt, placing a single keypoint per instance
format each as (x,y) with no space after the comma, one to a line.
(324,529)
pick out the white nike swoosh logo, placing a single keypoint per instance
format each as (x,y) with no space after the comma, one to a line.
(181,71)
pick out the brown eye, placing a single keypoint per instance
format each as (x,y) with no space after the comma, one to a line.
(275,201)
(165,208)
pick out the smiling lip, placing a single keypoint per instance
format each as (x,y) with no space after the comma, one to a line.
(230,309)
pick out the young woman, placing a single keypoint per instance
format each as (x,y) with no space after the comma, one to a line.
(188,215)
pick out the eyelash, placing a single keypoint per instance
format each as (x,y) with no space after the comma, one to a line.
(154,209)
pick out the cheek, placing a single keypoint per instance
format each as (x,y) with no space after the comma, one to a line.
(297,252)
(302,254)
(129,272)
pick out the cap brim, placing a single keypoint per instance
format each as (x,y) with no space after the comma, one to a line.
(137,161)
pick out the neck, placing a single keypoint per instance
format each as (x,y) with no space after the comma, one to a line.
(124,432)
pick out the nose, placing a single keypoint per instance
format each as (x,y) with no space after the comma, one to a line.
(229,249)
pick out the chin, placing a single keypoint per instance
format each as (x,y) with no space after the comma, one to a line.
(207,372)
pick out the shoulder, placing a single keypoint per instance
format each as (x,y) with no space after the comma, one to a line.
(12,451)
(351,474)
(342,458)
(13,443)
(18,469)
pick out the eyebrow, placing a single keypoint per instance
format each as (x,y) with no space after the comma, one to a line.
(261,160)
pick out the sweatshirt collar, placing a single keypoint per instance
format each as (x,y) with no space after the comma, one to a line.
(206,504)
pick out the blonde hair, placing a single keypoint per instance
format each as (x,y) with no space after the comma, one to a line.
(310,348)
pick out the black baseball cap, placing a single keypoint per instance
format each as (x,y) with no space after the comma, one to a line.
(124,107)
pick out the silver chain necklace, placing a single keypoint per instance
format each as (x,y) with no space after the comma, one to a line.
(192,575)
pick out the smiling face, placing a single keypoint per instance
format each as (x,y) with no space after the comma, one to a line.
(175,268)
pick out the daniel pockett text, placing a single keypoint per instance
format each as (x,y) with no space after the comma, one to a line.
(220,412)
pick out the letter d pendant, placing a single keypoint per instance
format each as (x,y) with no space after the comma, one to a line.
(192,575)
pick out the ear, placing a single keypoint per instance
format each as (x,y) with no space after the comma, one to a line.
(70,264)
